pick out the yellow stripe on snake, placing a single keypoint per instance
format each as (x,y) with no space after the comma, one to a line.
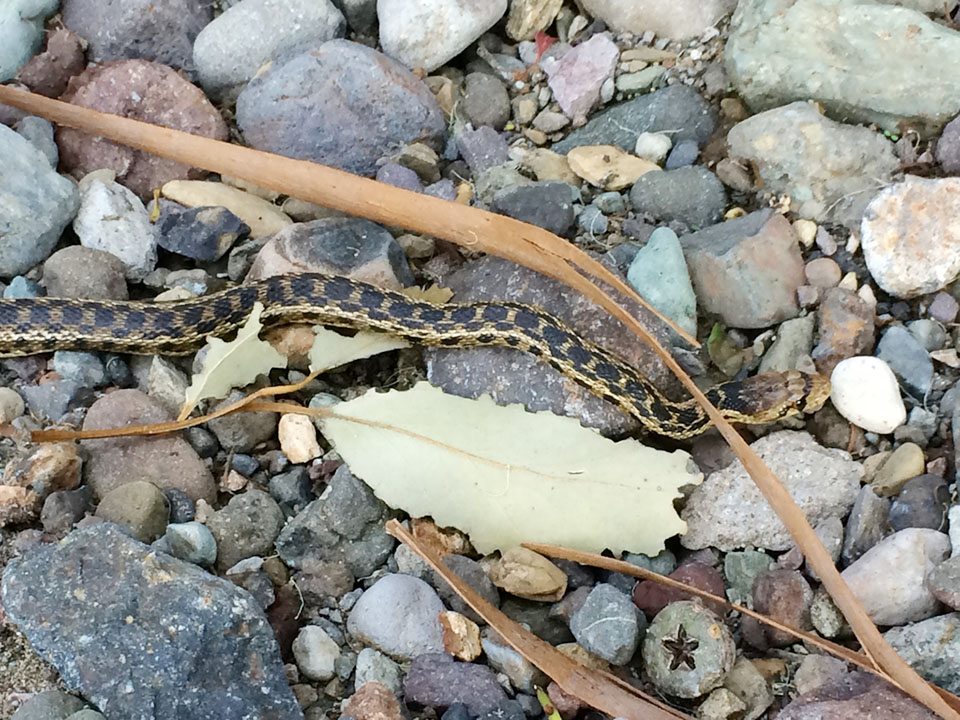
(34,325)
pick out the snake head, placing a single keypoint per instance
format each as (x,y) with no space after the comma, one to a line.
(773,395)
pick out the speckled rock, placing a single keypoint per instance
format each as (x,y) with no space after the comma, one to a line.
(546,204)
(437,680)
(83,272)
(576,77)
(247,526)
(125,597)
(47,72)
(691,195)
(167,461)
(353,105)
(138,505)
(241,432)
(846,324)
(855,696)
(728,512)
(166,99)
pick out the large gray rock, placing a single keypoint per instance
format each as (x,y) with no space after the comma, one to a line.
(830,51)
(932,648)
(339,103)
(116,618)
(37,204)
(675,19)
(829,170)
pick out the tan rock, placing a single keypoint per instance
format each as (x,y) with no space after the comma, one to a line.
(906,462)
(373,701)
(298,438)
(607,166)
(549,165)
(263,217)
(46,469)
(461,636)
(526,574)
(527,17)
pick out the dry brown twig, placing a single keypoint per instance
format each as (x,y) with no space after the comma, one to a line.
(508,238)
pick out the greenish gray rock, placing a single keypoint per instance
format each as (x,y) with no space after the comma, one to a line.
(688,650)
(192,542)
(741,568)
(794,341)
(831,171)
(49,705)
(140,506)
(608,624)
(692,195)
(247,526)
(659,273)
(859,60)
(932,648)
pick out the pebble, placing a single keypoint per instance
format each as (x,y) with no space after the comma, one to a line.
(683,154)
(241,432)
(474,575)
(316,653)
(607,166)
(691,195)
(906,462)
(48,72)
(164,98)
(373,701)
(651,597)
(653,146)
(932,648)
(641,82)
(121,33)
(85,368)
(50,705)
(247,526)
(793,344)
(482,149)
(803,54)
(785,596)
(111,218)
(40,133)
(399,176)
(910,242)
(546,204)
(353,247)
(549,121)
(608,624)
(54,399)
(829,169)
(687,650)
(592,221)
(721,704)
(747,270)
(718,511)
(846,323)
(427,37)
(11,405)
(485,101)
(921,503)
(374,666)
(908,360)
(659,273)
(677,109)
(436,679)
(929,333)
(192,542)
(943,308)
(890,578)
(388,105)
(92,642)
(140,506)
(345,525)
(823,272)
(81,272)
(610,203)
(292,490)
(238,42)
(20,287)
(683,21)
(398,616)
(204,233)
(523,675)
(575,78)
(865,391)
(41,202)
(741,568)
(526,574)
(815,670)
(298,438)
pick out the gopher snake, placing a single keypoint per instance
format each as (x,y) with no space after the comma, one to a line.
(29,326)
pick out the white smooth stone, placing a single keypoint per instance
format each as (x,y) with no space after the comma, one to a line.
(865,391)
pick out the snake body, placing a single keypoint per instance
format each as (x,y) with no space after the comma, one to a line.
(35,325)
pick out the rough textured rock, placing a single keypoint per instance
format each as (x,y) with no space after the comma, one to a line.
(932,648)
(667,18)
(220,661)
(728,512)
(855,696)
(829,170)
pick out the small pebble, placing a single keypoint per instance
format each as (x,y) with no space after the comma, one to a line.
(608,624)
(823,272)
(298,438)
(653,146)
(192,542)
(806,232)
(906,462)
(865,391)
(11,405)
(943,308)
(316,653)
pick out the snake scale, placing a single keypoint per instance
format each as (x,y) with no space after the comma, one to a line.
(34,325)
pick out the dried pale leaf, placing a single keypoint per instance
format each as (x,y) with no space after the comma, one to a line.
(432,294)
(504,475)
(233,364)
(331,349)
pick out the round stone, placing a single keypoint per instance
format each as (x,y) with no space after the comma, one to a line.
(865,392)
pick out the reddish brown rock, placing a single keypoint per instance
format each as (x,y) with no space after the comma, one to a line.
(47,73)
(855,696)
(652,597)
(846,328)
(140,90)
(373,701)
(783,595)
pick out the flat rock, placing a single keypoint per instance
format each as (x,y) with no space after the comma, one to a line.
(427,35)
(239,41)
(855,696)
(659,273)
(830,51)
(830,170)
(576,77)
(728,512)
(353,105)
(166,99)
(911,236)
(224,661)
(438,680)
(511,376)
(167,461)
(747,270)
(40,203)
(691,195)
